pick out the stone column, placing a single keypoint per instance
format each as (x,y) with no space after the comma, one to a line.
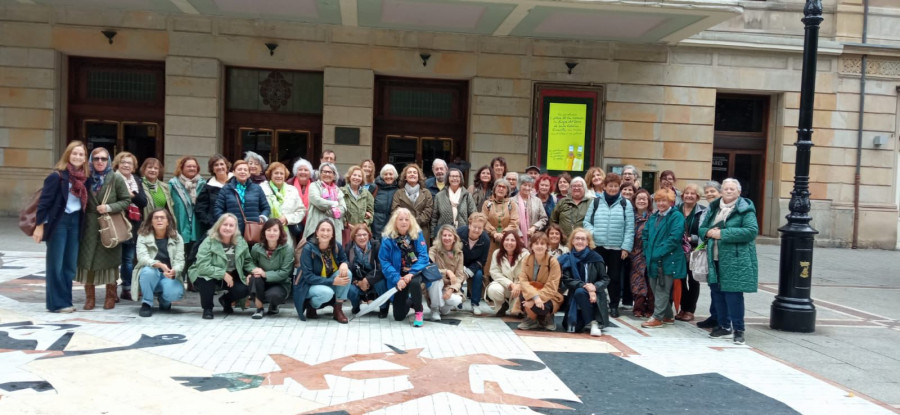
(193,113)
(500,122)
(348,102)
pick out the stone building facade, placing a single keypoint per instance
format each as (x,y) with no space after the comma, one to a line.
(676,83)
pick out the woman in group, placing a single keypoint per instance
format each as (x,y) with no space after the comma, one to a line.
(415,197)
(482,187)
(544,187)
(692,211)
(532,216)
(326,201)
(712,190)
(274,259)
(446,252)
(185,187)
(570,210)
(502,215)
(360,203)
(242,198)
(257,166)
(386,185)
(506,266)
(665,257)
(596,179)
(730,230)
(403,256)
(610,220)
(640,285)
(584,276)
(667,180)
(453,204)
(627,191)
(368,168)
(283,199)
(368,279)
(556,241)
(155,187)
(60,211)
(476,244)
(563,182)
(538,284)
(223,261)
(499,168)
(96,263)
(160,254)
(325,275)
(220,171)
(125,164)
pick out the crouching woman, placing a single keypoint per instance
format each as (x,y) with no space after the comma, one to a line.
(584,275)
(160,255)
(538,286)
(324,277)
(222,260)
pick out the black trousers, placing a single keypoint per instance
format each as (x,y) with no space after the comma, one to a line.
(272,293)
(540,312)
(207,290)
(409,296)
(690,293)
(613,260)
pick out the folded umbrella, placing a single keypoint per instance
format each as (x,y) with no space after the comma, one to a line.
(375,304)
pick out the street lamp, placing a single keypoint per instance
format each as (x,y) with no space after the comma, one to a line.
(793,309)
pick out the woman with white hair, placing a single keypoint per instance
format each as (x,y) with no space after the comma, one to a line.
(326,201)
(385,186)
(257,166)
(302,172)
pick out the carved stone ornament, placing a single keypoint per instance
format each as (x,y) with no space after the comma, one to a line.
(275,90)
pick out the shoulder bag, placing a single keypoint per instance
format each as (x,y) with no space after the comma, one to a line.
(252,230)
(114,227)
(28,214)
(431,273)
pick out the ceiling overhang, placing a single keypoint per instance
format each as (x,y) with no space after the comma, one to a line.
(636,21)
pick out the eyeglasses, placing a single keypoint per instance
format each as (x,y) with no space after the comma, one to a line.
(103,159)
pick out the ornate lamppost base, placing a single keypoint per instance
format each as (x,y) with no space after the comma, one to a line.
(793,309)
(793,316)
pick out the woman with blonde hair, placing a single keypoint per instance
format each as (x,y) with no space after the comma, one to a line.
(125,165)
(414,196)
(446,253)
(368,168)
(403,256)
(60,210)
(595,178)
(584,276)
(284,201)
(360,203)
(223,262)
(539,286)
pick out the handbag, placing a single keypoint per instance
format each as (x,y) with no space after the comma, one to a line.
(698,265)
(134,212)
(252,230)
(114,227)
(28,214)
(431,273)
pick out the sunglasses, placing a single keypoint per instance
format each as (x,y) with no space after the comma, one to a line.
(104,159)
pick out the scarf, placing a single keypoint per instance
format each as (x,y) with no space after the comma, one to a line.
(331,192)
(354,193)
(304,193)
(278,196)
(408,255)
(725,210)
(454,203)
(412,192)
(241,189)
(157,195)
(190,185)
(99,177)
(76,184)
(524,220)
(610,199)
(361,256)
(258,178)
(329,265)
(575,261)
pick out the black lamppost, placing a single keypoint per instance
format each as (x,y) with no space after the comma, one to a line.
(793,309)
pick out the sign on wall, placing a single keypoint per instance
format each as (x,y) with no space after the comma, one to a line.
(566,127)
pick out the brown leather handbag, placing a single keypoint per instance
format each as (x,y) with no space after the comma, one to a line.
(28,214)
(114,227)
(252,230)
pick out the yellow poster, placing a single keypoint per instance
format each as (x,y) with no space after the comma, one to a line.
(565,136)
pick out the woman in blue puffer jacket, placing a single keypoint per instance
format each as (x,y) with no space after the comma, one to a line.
(241,193)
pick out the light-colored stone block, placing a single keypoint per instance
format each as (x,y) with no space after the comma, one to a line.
(455,42)
(128,43)
(753,60)
(194,67)
(12,56)
(501,87)
(27,97)
(25,35)
(503,66)
(504,45)
(352,116)
(502,106)
(16,77)
(499,144)
(177,146)
(190,106)
(191,126)
(349,97)
(691,56)
(690,96)
(346,34)
(272,29)
(24,13)
(348,77)
(640,53)
(454,65)
(497,124)
(571,49)
(26,138)
(189,86)
(24,157)
(649,94)
(192,24)
(26,118)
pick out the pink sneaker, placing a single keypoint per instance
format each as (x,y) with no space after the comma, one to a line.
(418,321)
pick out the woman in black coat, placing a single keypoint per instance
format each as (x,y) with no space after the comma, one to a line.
(584,275)
(362,255)
(241,194)
(385,186)
(125,164)
(59,215)
(205,208)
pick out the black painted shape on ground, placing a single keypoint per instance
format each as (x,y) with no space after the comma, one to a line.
(448,321)
(396,350)
(612,384)
(61,343)
(559,327)
(7,342)
(204,384)
(11,267)
(524,365)
(17,323)
(144,342)
(33,277)
(39,385)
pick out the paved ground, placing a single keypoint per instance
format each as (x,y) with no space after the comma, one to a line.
(112,361)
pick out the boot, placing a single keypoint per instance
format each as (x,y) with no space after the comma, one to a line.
(110,297)
(338,314)
(89,297)
(126,294)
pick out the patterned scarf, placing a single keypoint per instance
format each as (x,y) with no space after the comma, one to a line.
(361,256)
(99,177)
(408,255)
(278,196)
(331,193)
(190,185)
(76,182)
(241,189)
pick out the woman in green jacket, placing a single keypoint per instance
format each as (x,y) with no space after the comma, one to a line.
(360,203)
(729,231)
(160,255)
(275,259)
(664,256)
(222,262)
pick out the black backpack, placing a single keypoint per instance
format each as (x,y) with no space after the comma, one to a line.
(597,204)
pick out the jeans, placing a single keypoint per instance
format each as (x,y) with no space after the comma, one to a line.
(729,307)
(613,260)
(318,295)
(153,282)
(355,294)
(662,297)
(475,285)
(410,296)
(62,261)
(581,311)
(127,267)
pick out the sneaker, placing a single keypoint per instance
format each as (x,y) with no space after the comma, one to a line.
(165,306)
(446,309)
(65,310)
(669,320)
(652,323)
(476,310)
(418,322)
(529,324)
(720,333)
(435,315)
(226,307)
(709,323)
(273,309)
(146,310)
(258,315)
(596,331)
(738,337)
(627,306)
(207,314)
(549,323)
(570,329)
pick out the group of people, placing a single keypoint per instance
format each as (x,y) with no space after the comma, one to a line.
(521,244)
